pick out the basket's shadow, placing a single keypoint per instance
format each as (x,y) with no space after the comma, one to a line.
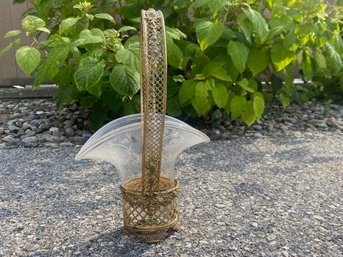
(112,244)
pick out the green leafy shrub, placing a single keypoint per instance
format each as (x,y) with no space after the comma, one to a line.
(233,55)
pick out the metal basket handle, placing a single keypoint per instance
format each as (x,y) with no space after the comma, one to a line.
(153,68)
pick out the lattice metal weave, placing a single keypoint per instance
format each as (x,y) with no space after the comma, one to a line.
(150,216)
(153,90)
(150,201)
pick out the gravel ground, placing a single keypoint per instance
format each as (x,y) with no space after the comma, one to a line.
(37,122)
(245,197)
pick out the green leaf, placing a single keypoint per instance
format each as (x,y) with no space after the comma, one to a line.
(334,60)
(28,58)
(212,82)
(202,99)
(67,24)
(125,80)
(187,91)
(178,78)
(98,32)
(129,57)
(58,54)
(133,40)
(199,61)
(277,82)
(307,64)
(129,108)
(253,84)
(90,16)
(247,29)
(174,53)
(237,106)
(248,85)
(289,80)
(181,3)
(320,59)
(229,34)
(175,33)
(200,76)
(5,50)
(281,56)
(64,74)
(282,22)
(173,107)
(275,31)
(85,33)
(199,4)
(258,60)
(104,16)
(290,41)
(220,95)
(215,69)
(96,89)
(65,94)
(248,114)
(208,33)
(16,42)
(338,43)
(12,33)
(227,107)
(231,69)
(258,104)
(126,28)
(269,4)
(285,100)
(173,86)
(305,29)
(98,115)
(259,23)
(88,40)
(41,75)
(32,23)
(89,73)
(216,6)
(305,33)
(44,30)
(111,99)
(51,66)
(244,83)
(239,54)
(112,33)
(93,36)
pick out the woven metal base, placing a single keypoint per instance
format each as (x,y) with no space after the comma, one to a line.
(150,216)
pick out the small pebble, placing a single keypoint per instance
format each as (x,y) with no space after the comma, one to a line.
(30,141)
(9,139)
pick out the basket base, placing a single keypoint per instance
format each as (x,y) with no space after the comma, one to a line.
(150,217)
(153,236)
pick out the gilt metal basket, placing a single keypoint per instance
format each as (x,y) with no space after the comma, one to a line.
(144,147)
(150,206)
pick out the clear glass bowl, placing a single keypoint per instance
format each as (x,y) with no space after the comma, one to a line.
(120,143)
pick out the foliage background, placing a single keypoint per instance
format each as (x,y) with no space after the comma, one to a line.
(222,54)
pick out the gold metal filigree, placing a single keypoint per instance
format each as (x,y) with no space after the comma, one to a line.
(150,201)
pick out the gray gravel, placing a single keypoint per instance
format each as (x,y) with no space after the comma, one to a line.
(244,197)
(37,122)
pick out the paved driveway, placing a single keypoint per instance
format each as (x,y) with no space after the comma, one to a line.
(262,197)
